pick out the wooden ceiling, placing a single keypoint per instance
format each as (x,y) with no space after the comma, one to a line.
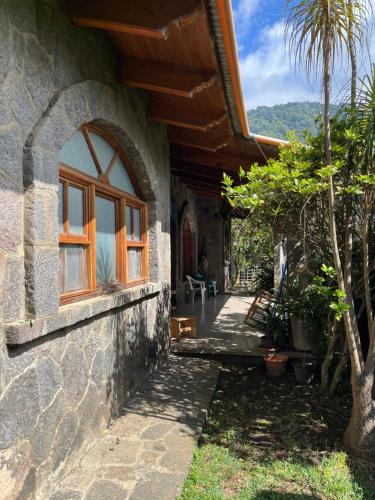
(168,48)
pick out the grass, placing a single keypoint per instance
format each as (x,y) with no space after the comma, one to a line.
(273,439)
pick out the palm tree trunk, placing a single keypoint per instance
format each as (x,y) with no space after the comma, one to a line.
(349,316)
(353,56)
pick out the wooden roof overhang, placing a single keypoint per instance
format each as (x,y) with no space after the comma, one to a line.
(183,53)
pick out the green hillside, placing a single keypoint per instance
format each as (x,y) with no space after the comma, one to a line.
(277,121)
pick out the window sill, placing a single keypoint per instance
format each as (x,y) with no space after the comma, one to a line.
(25,331)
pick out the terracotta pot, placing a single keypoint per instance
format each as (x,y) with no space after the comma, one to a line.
(304,370)
(276,364)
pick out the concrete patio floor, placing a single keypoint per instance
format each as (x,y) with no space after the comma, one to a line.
(220,328)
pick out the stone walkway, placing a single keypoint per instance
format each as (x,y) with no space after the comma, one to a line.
(147,452)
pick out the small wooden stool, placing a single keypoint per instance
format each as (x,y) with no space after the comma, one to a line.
(181,327)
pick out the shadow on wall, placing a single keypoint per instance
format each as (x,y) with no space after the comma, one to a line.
(141,342)
(63,389)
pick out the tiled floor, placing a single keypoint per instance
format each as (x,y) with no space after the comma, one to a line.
(220,327)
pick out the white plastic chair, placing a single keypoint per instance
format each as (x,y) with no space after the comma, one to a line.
(196,286)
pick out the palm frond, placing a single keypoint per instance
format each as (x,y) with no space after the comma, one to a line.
(317,29)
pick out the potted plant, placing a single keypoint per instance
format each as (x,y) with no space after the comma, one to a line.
(276,364)
(307,306)
(273,325)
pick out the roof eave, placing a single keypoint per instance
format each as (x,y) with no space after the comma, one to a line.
(223,24)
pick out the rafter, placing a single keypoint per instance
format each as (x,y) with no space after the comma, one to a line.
(192,119)
(205,192)
(209,141)
(198,178)
(140,17)
(167,78)
(210,186)
(187,169)
(214,160)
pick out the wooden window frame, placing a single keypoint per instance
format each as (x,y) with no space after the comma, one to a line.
(100,187)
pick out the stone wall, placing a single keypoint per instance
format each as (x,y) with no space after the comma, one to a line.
(205,216)
(211,238)
(65,372)
(184,205)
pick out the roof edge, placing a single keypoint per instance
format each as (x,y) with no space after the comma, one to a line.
(270,141)
(225,13)
(223,21)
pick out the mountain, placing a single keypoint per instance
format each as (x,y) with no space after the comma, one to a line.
(277,121)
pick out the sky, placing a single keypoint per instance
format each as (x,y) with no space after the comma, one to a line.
(268,76)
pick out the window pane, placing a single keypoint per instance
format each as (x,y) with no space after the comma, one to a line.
(73,273)
(105,241)
(76,222)
(137,224)
(104,151)
(134,263)
(61,207)
(119,177)
(76,154)
(128,222)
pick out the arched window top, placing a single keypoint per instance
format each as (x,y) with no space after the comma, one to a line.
(94,153)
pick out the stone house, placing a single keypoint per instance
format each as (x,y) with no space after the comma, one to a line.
(115,127)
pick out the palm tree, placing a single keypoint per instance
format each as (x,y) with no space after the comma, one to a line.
(320,32)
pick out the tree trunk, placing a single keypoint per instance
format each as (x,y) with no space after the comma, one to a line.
(339,369)
(360,434)
(324,372)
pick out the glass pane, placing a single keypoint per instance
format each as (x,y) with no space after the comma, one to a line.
(119,177)
(104,151)
(128,223)
(76,154)
(137,224)
(73,273)
(61,207)
(76,222)
(134,263)
(105,241)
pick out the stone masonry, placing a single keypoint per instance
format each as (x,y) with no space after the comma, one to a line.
(65,372)
(147,452)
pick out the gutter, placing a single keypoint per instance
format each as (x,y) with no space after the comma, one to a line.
(222,14)
(224,8)
(269,141)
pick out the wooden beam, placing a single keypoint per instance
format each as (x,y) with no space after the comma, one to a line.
(198,178)
(140,17)
(209,141)
(185,117)
(204,192)
(167,78)
(214,160)
(184,168)
(209,186)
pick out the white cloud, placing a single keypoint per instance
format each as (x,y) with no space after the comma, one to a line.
(243,14)
(269,78)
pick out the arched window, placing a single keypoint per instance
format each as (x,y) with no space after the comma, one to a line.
(102,221)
